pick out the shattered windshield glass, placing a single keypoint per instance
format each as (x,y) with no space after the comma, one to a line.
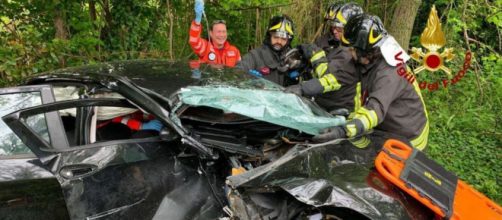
(232,90)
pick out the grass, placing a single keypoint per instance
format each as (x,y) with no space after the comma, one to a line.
(466,134)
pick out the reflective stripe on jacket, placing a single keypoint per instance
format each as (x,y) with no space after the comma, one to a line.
(390,103)
(339,83)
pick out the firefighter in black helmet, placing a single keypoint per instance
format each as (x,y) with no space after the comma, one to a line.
(335,79)
(389,101)
(265,61)
(335,19)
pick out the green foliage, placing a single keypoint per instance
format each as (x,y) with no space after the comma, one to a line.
(240,17)
(127,29)
(466,123)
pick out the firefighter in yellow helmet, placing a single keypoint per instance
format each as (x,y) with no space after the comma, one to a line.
(335,79)
(390,101)
(335,19)
(265,61)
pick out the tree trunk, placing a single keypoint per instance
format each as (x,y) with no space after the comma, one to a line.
(105,31)
(401,25)
(93,16)
(92,10)
(60,26)
(61,33)
(257,34)
(170,32)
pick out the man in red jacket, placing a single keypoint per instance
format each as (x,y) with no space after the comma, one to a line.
(217,50)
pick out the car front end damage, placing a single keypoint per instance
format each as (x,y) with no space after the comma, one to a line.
(271,167)
(332,181)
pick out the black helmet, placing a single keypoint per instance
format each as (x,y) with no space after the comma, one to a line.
(364,32)
(282,25)
(342,13)
(331,11)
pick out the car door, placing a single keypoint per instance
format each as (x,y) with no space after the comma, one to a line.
(132,178)
(27,189)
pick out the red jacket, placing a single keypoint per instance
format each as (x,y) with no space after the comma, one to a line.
(229,55)
(133,120)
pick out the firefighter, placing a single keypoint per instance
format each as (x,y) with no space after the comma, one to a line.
(335,80)
(265,61)
(390,102)
(217,50)
(335,19)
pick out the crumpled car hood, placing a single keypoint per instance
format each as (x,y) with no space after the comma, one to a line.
(332,176)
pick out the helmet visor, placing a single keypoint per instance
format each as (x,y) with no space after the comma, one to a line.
(335,23)
(281,34)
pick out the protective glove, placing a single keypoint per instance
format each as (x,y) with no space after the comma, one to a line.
(152,125)
(255,73)
(295,89)
(340,111)
(196,74)
(307,50)
(199,10)
(329,134)
(292,60)
(317,58)
(293,74)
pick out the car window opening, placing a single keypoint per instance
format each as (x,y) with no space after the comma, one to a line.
(10,143)
(102,123)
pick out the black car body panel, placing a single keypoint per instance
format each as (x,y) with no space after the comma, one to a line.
(28,191)
(163,77)
(181,172)
(136,179)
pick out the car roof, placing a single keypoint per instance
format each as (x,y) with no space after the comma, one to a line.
(162,76)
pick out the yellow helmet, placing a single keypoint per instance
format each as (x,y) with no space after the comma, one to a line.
(281,26)
(338,15)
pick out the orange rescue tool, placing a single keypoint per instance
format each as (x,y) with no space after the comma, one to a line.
(432,185)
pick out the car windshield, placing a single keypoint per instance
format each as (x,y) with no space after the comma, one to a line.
(233,90)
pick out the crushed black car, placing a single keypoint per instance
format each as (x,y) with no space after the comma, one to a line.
(232,146)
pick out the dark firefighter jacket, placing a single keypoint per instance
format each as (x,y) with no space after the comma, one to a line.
(264,57)
(337,87)
(391,103)
(328,44)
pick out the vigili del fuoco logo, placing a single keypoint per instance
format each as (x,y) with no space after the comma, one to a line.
(433,59)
